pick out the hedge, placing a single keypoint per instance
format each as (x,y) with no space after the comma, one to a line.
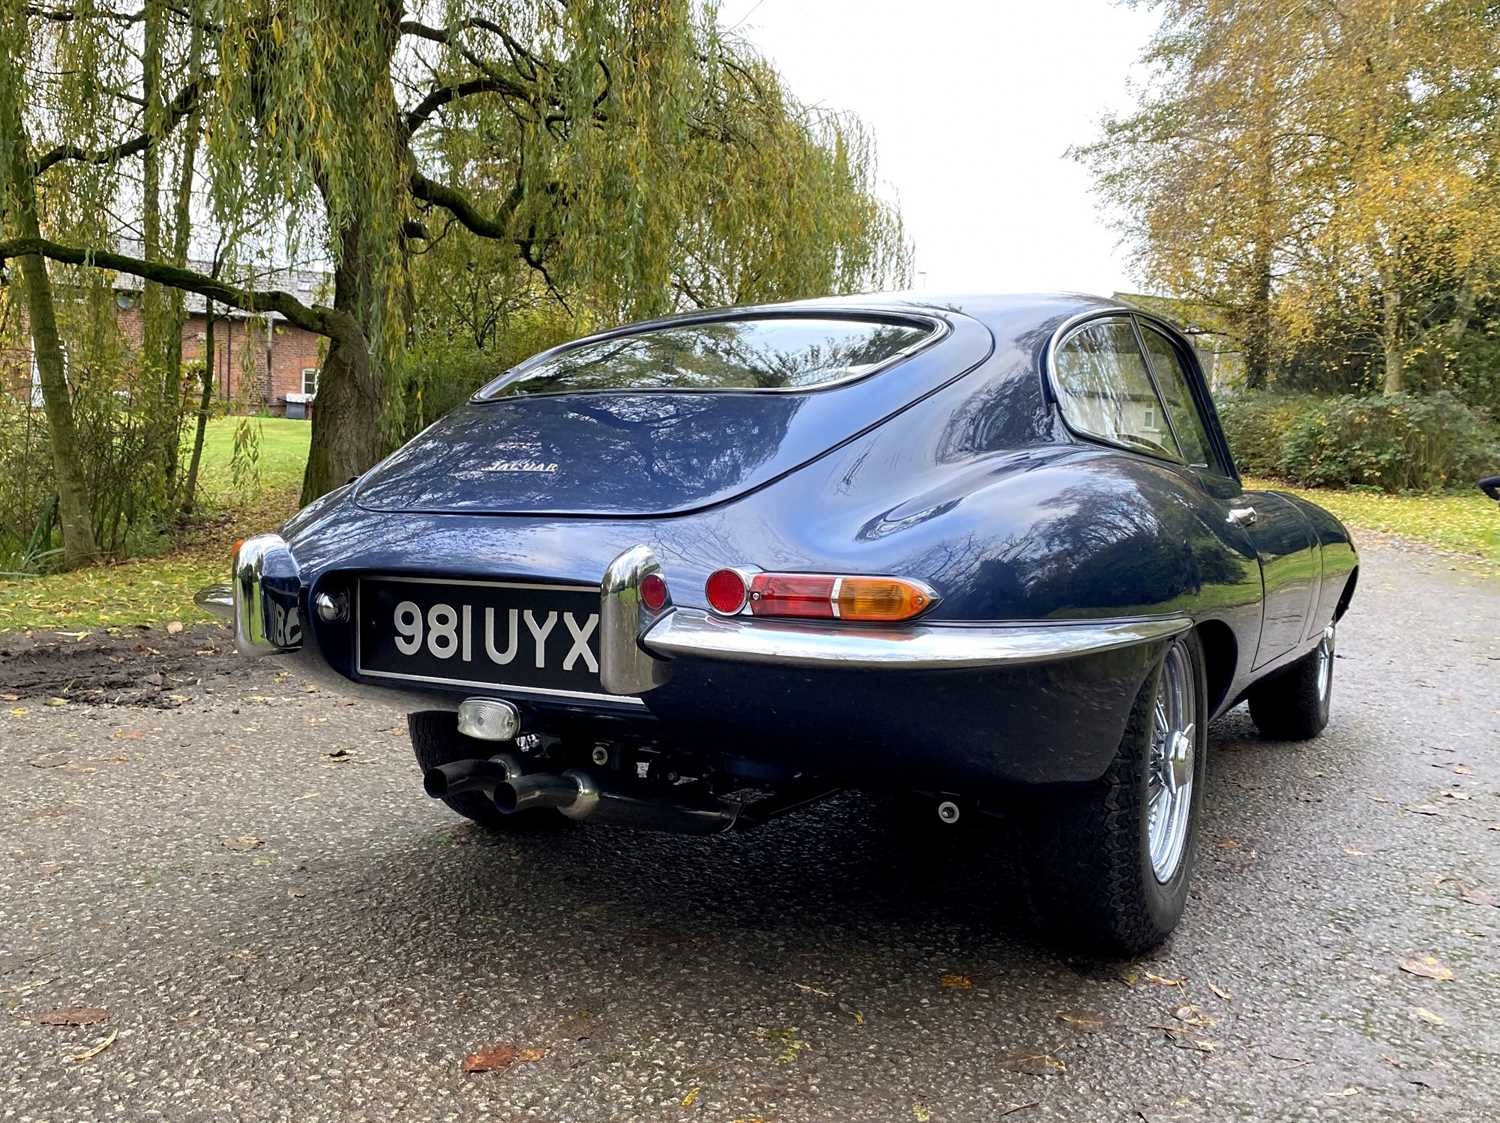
(1392,444)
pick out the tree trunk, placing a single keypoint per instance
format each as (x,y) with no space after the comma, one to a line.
(73,508)
(182,225)
(346,416)
(1390,334)
(205,398)
(1258,330)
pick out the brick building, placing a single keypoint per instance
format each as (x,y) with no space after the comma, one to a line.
(261,362)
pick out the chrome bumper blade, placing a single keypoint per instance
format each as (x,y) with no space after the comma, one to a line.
(692,633)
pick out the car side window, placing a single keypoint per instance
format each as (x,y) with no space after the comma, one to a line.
(1105,390)
(1172,381)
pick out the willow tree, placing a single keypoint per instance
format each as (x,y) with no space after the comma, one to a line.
(627,155)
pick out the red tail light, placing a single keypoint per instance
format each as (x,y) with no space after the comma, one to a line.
(654,592)
(819,596)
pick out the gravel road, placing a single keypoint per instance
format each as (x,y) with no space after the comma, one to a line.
(238,878)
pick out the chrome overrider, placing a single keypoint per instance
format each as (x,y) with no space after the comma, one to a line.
(262,600)
(636,647)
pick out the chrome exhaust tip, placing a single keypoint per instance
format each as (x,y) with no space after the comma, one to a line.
(479,774)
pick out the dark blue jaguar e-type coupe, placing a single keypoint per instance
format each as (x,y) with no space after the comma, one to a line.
(988,552)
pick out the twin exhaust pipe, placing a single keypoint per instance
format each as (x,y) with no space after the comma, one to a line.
(578,795)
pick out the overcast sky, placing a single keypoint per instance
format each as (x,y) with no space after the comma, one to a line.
(972,104)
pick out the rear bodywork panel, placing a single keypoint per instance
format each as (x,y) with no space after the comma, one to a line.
(951,467)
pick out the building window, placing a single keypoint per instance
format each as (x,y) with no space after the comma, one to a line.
(310,381)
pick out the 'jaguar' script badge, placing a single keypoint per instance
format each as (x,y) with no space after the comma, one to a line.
(521,466)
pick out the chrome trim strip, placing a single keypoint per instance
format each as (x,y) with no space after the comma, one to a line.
(692,633)
(218,599)
(625,668)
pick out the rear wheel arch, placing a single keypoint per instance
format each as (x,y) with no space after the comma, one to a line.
(1221,653)
(1347,595)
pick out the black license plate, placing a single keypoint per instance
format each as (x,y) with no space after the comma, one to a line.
(537,639)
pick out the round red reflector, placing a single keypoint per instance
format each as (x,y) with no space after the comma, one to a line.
(726,591)
(653,592)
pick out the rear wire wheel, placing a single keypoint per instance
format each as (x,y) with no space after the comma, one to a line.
(1293,704)
(1110,861)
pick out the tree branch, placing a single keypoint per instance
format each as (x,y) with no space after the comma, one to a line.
(316,318)
(442,95)
(458,205)
(179,107)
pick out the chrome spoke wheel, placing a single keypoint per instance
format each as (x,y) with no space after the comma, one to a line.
(1325,664)
(1174,749)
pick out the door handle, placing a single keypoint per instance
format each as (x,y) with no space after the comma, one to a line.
(1242,516)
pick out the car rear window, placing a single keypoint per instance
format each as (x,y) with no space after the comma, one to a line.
(764,353)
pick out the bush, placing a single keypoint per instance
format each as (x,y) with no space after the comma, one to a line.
(1405,443)
(1393,444)
(1255,424)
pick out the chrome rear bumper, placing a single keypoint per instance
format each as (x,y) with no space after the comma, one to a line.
(691,633)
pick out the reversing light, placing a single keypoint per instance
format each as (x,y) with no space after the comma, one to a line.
(726,591)
(819,596)
(654,592)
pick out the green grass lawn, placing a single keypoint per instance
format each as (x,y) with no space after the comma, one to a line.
(1464,522)
(156,590)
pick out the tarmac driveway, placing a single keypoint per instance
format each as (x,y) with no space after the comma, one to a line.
(235,882)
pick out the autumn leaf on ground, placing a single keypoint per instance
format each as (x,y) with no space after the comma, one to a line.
(500,1056)
(1462,770)
(691,1098)
(1185,1038)
(174,627)
(1224,994)
(1081,1020)
(920,1113)
(1191,1015)
(1428,967)
(93,1051)
(1477,896)
(1422,809)
(1032,1064)
(1422,1014)
(1163,981)
(956,982)
(244,842)
(72,1016)
(55,701)
(49,760)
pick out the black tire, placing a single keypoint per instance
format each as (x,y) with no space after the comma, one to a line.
(1089,866)
(1293,704)
(436,740)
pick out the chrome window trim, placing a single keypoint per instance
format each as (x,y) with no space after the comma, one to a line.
(937,327)
(1059,340)
(693,633)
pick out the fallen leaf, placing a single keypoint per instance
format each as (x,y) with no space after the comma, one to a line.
(1462,770)
(1163,981)
(55,701)
(10,697)
(1224,994)
(1193,1016)
(1422,809)
(1032,1064)
(1186,1039)
(1081,1020)
(49,760)
(339,756)
(1228,844)
(1428,967)
(531,1054)
(1421,1013)
(1353,853)
(174,627)
(73,1016)
(691,1098)
(956,982)
(244,842)
(98,1047)
(920,1113)
(129,735)
(1129,978)
(1478,896)
(487,1060)
(1456,795)
(1351,1090)
(18,711)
